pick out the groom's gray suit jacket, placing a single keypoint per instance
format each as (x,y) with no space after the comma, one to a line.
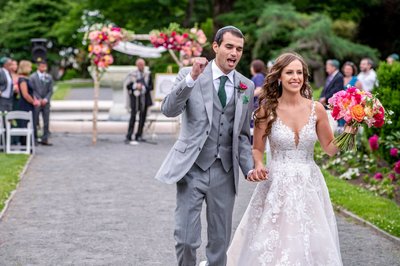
(196,106)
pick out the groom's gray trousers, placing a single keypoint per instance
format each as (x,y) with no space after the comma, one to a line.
(217,188)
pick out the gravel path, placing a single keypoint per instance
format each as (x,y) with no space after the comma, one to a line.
(85,205)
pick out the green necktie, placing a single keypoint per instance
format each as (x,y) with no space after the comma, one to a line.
(221,90)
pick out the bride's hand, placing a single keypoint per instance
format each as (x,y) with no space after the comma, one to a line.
(258,174)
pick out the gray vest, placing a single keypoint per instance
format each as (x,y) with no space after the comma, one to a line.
(219,141)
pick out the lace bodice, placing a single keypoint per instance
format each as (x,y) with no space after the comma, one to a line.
(283,140)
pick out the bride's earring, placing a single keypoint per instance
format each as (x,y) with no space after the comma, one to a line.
(279,82)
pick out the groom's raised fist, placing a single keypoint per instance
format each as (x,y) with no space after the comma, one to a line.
(199,64)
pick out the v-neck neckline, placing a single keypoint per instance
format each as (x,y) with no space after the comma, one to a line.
(296,135)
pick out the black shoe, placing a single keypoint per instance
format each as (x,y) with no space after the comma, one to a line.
(127,141)
(140,139)
(46,143)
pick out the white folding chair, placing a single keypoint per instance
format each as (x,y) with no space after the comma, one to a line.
(23,132)
(2,133)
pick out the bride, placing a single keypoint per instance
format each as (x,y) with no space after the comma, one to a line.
(290,219)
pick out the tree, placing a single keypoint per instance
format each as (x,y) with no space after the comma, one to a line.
(280,27)
(20,21)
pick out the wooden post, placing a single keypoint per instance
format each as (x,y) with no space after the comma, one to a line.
(95,104)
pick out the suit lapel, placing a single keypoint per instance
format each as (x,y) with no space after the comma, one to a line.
(207,87)
(238,103)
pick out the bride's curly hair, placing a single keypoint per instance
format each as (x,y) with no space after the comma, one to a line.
(272,90)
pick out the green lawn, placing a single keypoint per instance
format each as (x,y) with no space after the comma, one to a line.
(11,166)
(63,88)
(379,211)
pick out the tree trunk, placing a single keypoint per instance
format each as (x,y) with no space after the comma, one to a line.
(319,77)
(221,7)
(189,12)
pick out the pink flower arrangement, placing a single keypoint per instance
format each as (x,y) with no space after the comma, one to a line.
(397,167)
(189,43)
(102,39)
(394,152)
(356,108)
(374,142)
(378,176)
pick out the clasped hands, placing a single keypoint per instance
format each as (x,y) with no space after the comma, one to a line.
(258,174)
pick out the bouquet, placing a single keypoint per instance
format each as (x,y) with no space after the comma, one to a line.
(356,108)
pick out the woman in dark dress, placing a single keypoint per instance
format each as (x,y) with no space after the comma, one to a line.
(26,100)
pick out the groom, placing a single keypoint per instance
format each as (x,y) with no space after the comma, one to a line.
(215,102)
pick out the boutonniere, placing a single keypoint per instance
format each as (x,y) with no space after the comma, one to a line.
(241,89)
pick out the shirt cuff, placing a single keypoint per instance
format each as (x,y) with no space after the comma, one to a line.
(249,172)
(189,81)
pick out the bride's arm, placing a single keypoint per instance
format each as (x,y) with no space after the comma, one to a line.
(324,131)
(258,151)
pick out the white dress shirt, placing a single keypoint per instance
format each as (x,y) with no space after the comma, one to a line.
(216,74)
(367,79)
(41,75)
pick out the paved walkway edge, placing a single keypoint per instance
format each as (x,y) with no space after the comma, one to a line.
(21,176)
(360,220)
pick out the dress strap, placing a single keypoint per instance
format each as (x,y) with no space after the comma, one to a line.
(312,115)
(313,107)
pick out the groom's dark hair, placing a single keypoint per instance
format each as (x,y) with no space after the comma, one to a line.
(219,36)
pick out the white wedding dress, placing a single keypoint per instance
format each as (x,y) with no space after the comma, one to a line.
(290,219)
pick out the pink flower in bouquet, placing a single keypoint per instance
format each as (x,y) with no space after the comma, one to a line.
(394,152)
(379,118)
(97,49)
(179,39)
(93,35)
(378,176)
(392,177)
(397,167)
(201,37)
(105,49)
(336,113)
(373,142)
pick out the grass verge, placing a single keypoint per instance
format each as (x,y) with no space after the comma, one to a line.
(377,210)
(11,166)
(63,88)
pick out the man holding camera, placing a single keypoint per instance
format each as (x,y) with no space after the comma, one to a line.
(139,86)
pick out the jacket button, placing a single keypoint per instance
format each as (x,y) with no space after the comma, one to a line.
(206,132)
(220,135)
(215,155)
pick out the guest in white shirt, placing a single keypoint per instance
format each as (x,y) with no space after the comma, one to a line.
(6,86)
(367,75)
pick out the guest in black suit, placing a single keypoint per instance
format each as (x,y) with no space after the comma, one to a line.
(334,81)
(42,84)
(139,86)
